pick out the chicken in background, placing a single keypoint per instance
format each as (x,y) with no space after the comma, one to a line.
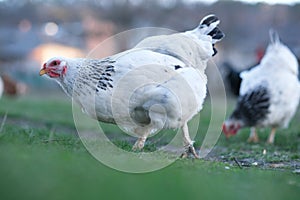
(12,87)
(269,93)
(182,59)
(232,74)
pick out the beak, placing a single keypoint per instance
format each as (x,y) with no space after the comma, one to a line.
(42,72)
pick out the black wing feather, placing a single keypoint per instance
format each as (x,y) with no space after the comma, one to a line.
(253,106)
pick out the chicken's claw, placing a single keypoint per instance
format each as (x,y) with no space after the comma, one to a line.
(190,150)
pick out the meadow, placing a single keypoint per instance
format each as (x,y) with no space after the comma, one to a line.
(42,157)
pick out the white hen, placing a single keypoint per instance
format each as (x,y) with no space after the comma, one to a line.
(269,93)
(158,84)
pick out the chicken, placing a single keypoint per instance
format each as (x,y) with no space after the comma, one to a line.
(158,84)
(269,93)
(13,87)
(232,75)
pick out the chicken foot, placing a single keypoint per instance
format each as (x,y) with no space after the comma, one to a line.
(188,143)
(271,136)
(253,137)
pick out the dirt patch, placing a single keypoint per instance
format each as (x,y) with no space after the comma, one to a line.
(279,160)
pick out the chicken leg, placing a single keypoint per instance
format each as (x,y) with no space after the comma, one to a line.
(188,143)
(253,137)
(139,144)
(271,136)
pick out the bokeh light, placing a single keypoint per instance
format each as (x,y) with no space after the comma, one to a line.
(25,25)
(51,28)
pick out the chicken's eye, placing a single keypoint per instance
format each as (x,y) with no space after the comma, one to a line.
(54,63)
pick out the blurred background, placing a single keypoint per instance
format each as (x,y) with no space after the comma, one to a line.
(32,31)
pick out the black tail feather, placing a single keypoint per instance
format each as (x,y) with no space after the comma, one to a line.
(209,26)
(216,34)
(209,19)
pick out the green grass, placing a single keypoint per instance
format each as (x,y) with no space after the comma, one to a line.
(41,162)
(52,110)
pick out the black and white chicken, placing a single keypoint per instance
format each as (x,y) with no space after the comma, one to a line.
(158,84)
(269,93)
(232,76)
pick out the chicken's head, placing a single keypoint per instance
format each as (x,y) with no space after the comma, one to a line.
(54,68)
(231,127)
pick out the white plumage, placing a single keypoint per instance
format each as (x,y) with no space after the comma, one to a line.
(269,93)
(158,84)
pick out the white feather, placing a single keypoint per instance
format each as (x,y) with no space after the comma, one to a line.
(160,83)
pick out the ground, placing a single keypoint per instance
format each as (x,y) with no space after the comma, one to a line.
(41,157)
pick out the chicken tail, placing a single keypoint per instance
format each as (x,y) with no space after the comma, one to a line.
(274,37)
(209,26)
